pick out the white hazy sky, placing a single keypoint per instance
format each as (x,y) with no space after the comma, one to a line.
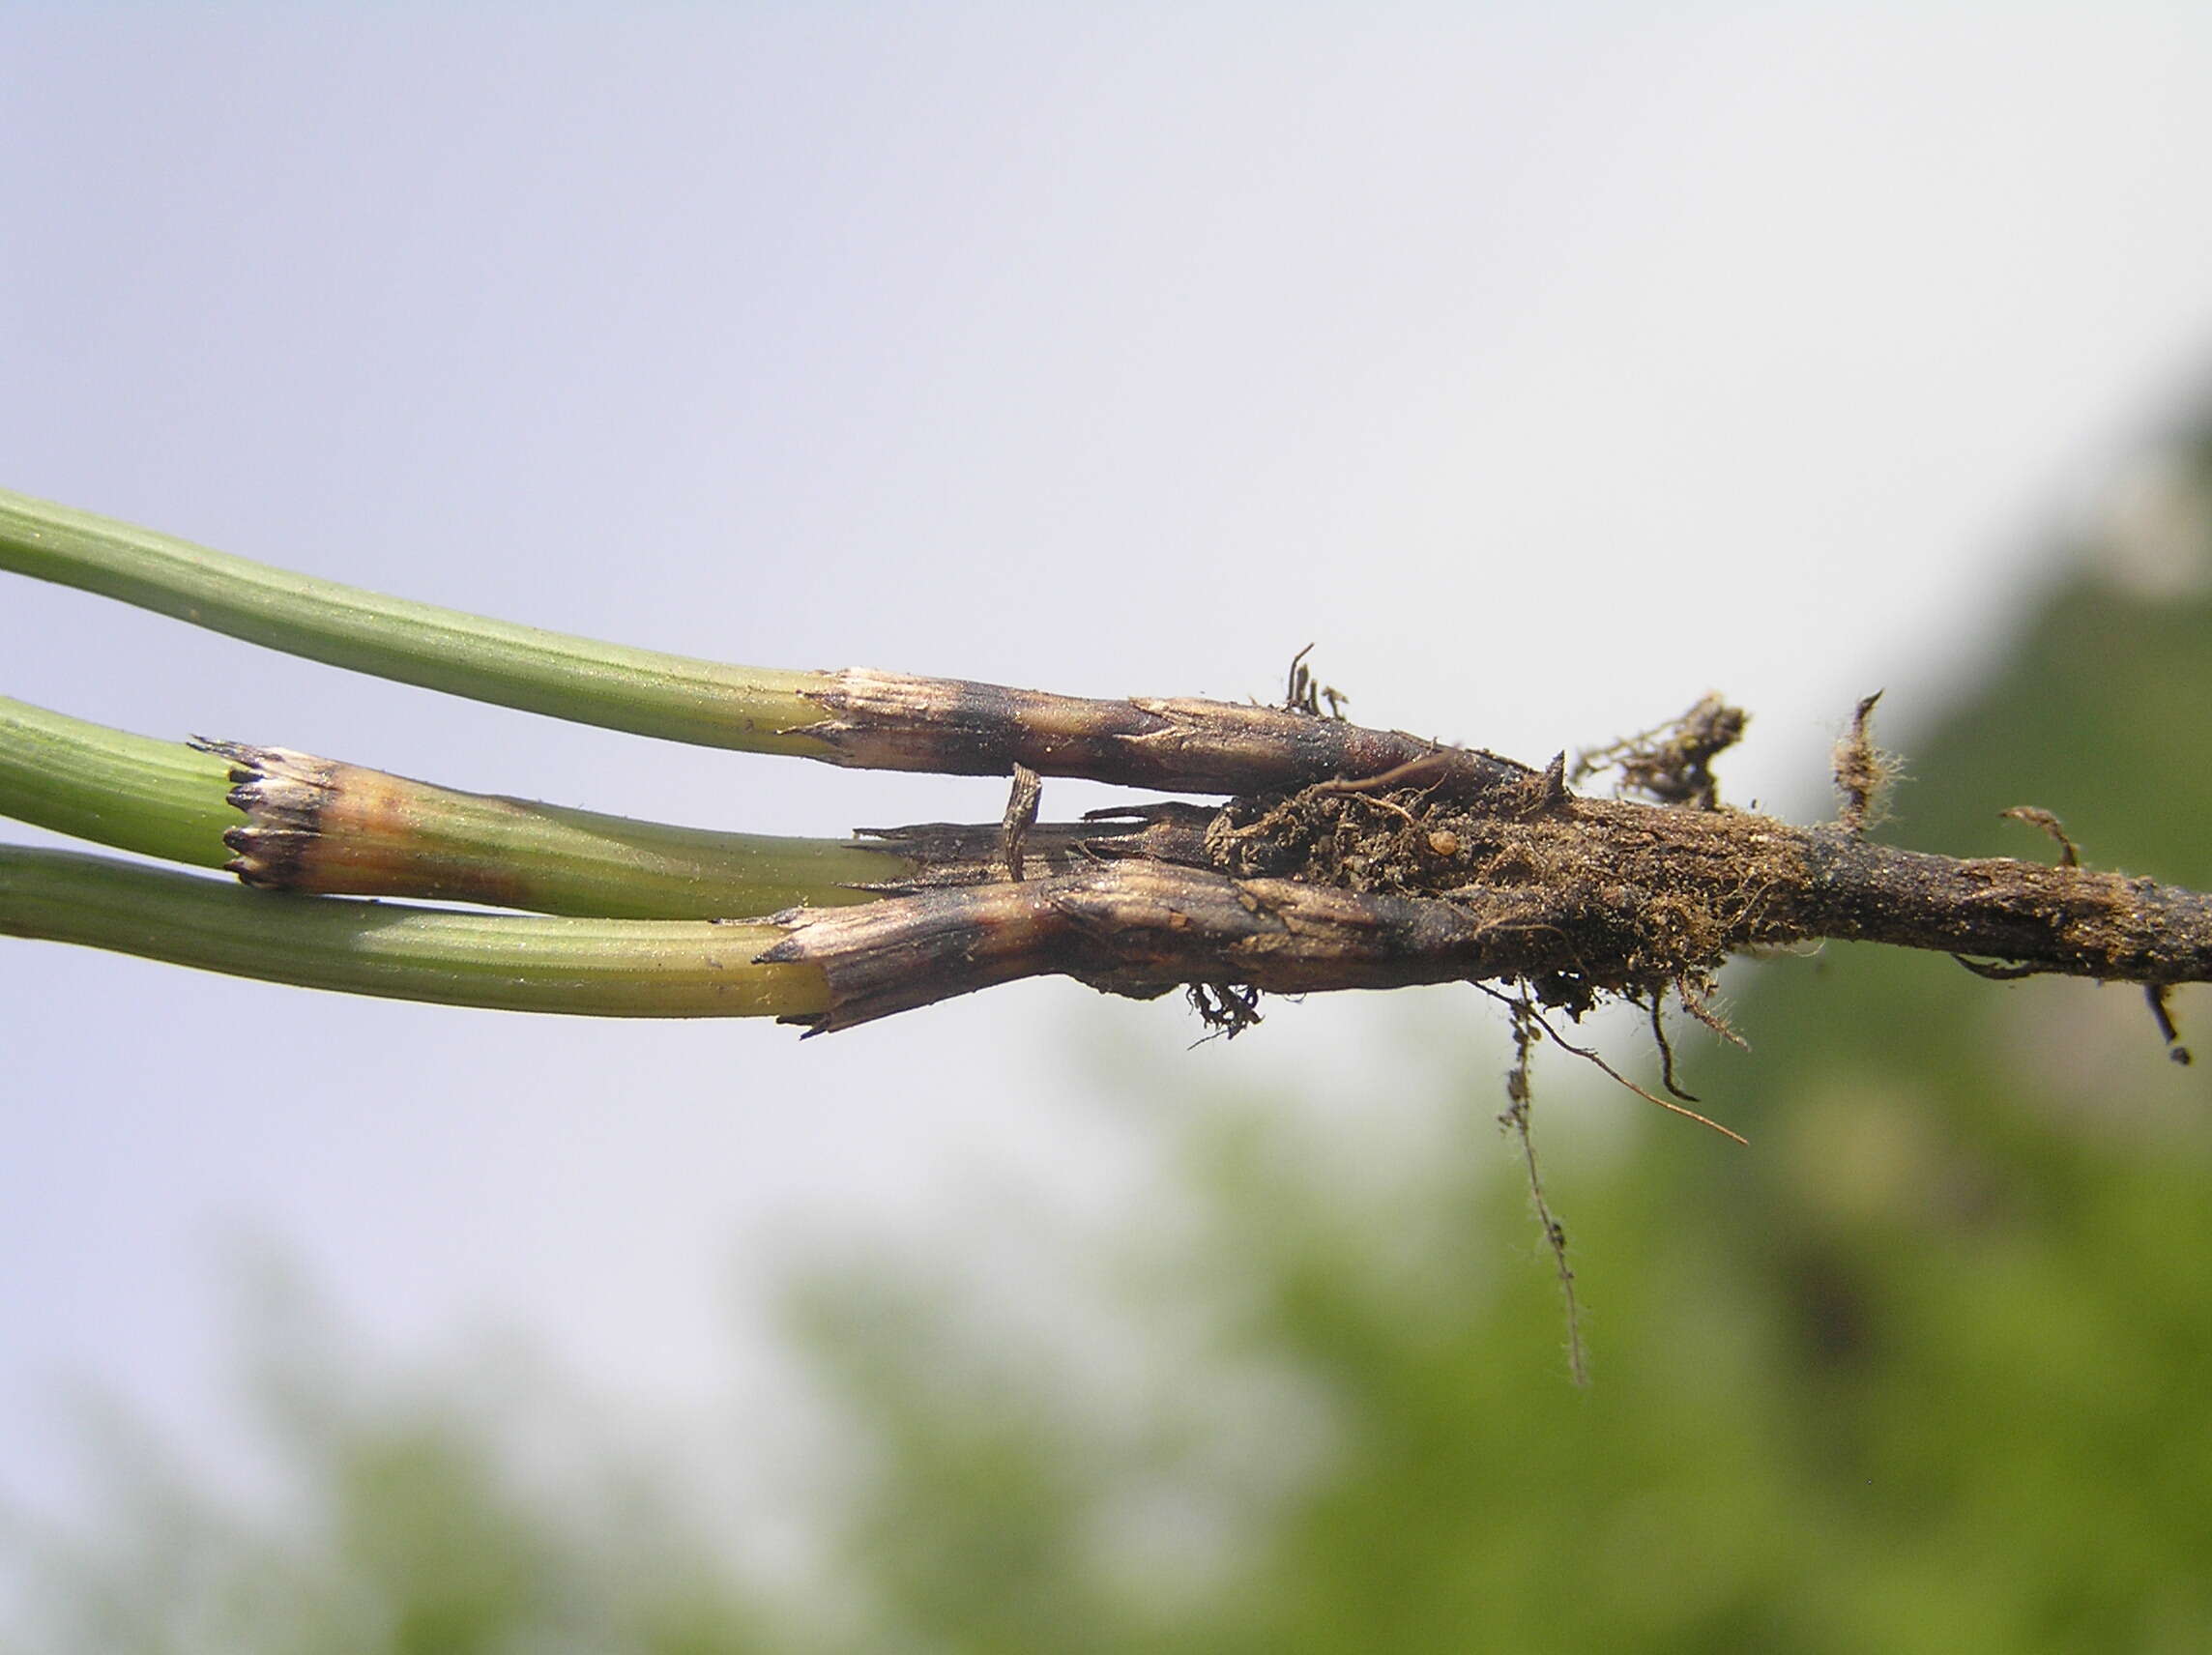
(1544,364)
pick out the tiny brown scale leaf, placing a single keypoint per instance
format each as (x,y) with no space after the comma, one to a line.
(1864,772)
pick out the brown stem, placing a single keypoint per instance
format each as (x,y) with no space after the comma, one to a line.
(2070,920)
(895,721)
(1140,928)
(1588,897)
(945,854)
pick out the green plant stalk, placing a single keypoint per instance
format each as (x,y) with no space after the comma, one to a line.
(644,691)
(159,799)
(588,967)
(311,825)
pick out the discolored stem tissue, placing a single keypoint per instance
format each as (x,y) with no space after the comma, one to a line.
(897,721)
(1330,890)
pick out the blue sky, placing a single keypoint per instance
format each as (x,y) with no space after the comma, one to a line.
(1546,367)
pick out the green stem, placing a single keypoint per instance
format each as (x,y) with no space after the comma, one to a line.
(313,825)
(677,697)
(590,968)
(159,799)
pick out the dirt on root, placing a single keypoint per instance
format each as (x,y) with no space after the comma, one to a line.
(1647,900)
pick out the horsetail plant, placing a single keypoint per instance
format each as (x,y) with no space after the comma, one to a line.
(1343,857)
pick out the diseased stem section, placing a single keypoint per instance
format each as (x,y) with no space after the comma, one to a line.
(1582,898)
(590,967)
(945,854)
(1593,897)
(881,720)
(1140,928)
(318,826)
(2067,920)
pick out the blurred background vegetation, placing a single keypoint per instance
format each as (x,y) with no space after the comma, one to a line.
(1927,1368)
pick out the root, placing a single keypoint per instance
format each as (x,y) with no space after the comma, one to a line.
(2156,994)
(1515,1120)
(1591,1057)
(1227,1009)
(1665,1051)
(1697,1000)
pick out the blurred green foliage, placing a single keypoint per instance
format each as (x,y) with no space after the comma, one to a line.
(1927,1368)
